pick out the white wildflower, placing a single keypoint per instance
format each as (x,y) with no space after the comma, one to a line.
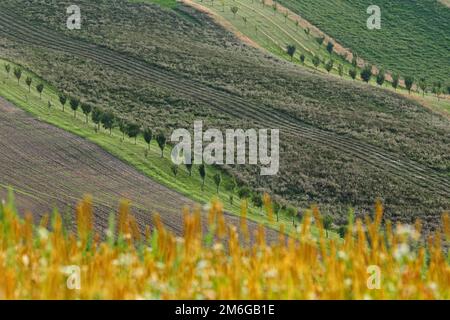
(43,233)
(25,260)
(401,251)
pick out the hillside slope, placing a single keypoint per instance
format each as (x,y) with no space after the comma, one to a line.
(414,38)
(51,168)
(259,25)
(342,144)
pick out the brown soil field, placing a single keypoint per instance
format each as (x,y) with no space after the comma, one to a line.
(50,168)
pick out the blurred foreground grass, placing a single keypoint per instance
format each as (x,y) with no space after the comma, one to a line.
(223,264)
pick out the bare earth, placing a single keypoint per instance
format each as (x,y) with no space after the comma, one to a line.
(445,2)
(51,168)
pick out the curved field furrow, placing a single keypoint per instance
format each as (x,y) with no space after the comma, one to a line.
(41,183)
(228,103)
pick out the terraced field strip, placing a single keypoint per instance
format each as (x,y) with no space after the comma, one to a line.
(277,31)
(408,170)
(274,34)
(414,38)
(49,167)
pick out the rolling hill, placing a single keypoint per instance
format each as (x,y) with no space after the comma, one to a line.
(342,143)
(414,38)
(268,25)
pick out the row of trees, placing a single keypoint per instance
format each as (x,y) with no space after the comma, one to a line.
(437,87)
(18,74)
(366,73)
(108,120)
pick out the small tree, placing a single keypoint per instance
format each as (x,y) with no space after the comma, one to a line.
(108,121)
(217,181)
(87,109)
(352,73)
(40,89)
(366,73)
(316,61)
(285,15)
(62,100)
(244,193)
(438,84)
(148,136)
(327,223)
(202,172)
(274,8)
(231,187)
(234,10)
(276,209)
(18,74)
(74,103)
(174,169)
(342,231)
(291,50)
(395,81)
(302,58)
(97,116)
(409,81)
(423,85)
(133,130)
(329,66)
(341,70)
(28,81)
(381,77)
(189,168)
(257,200)
(7,69)
(320,40)
(123,126)
(292,212)
(330,47)
(437,90)
(161,140)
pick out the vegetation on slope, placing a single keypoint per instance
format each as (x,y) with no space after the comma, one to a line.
(413,40)
(342,143)
(146,158)
(270,28)
(290,37)
(36,263)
